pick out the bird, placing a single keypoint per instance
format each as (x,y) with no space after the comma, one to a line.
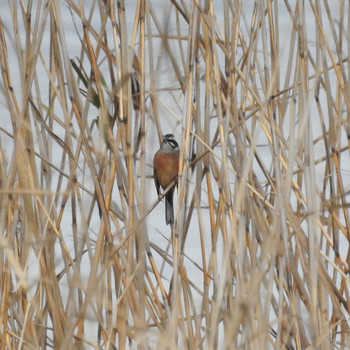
(166,170)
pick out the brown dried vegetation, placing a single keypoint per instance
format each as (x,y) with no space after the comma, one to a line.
(263,119)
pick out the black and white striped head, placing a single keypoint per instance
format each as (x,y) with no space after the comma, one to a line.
(169,144)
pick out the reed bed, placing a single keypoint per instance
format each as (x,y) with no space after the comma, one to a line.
(257,94)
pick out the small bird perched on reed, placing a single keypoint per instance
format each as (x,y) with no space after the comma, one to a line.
(166,169)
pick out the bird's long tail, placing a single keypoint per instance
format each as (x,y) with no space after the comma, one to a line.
(169,209)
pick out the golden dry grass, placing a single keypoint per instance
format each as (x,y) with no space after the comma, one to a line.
(259,255)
